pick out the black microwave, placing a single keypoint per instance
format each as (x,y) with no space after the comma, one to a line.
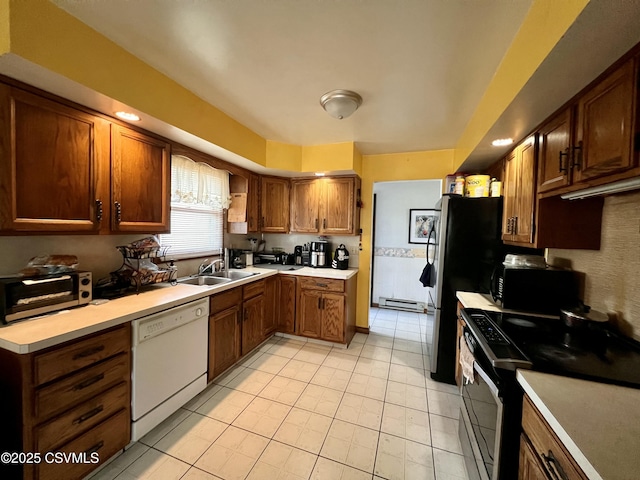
(22,297)
(540,290)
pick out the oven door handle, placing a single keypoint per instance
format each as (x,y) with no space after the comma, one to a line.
(492,386)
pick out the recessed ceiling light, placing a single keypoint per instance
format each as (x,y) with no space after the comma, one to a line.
(131,117)
(501,142)
(319,174)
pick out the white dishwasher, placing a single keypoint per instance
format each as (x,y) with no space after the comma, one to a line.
(169,363)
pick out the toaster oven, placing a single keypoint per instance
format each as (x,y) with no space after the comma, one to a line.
(23,297)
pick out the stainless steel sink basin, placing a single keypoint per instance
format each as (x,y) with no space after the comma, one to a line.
(205,280)
(233,274)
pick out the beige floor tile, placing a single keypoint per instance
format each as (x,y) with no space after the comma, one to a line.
(165,427)
(340,360)
(247,359)
(362,411)
(269,363)
(384,323)
(354,349)
(410,375)
(445,404)
(299,370)
(372,368)
(226,405)
(444,434)
(326,469)
(382,332)
(262,416)
(312,354)
(320,400)
(117,466)
(280,461)
(191,438)
(400,459)
(449,466)
(359,338)
(408,327)
(228,375)
(408,396)
(384,339)
(283,390)
(196,474)
(408,359)
(197,401)
(351,444)
(251,381)
(367,386)
(266,346)
(442,387)
(376,353)
(407,346)
(286,348)
(406,423)
(154,465)
(331,378)
(233,454)
(304,429)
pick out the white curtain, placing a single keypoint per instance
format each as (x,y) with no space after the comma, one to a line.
(196,183)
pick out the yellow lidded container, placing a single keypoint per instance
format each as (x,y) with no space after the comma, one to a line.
(477,185)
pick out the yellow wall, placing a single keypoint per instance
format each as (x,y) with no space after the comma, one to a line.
(48,36)
(327,158)
(387,168)
(546,22)
(284,156)
(5,36)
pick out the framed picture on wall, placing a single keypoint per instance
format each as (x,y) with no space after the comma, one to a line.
(421,222)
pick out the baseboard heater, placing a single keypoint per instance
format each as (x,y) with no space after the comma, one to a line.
(400,304)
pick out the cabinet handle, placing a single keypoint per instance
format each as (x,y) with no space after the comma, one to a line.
(317,221)
(262,223)
(323,285)
(509,224)
(244,315)
(98,210)
(324,223)
(118,211)
(577,156)
(88,415)
(515,225)
(319,303)
(89,382)
(88,352)
(95,448)
(561,167)
(553,466)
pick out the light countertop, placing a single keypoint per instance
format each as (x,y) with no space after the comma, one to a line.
(599,424)
(483,301)
(36,333)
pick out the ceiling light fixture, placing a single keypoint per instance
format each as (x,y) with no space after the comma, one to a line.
(319,174)
(501,142)
(131,117)
(340,103)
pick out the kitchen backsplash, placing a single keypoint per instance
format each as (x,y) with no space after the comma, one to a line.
(613,272)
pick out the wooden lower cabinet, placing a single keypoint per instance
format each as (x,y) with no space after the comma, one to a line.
(224,331)
(287,304)
(252,318)
(71,398)
(332,326)
(310,313)
(271,305)
(542,455)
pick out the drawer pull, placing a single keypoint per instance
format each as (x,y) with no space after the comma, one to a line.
(89,382)
(88,415)
(88,352)
(95,448)
(553,467)
(323,285)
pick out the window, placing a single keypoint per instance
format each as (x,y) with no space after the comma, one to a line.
(199,195)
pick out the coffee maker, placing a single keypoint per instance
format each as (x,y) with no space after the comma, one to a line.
(320,254)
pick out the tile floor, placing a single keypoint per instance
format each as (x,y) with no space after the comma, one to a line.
(296,410)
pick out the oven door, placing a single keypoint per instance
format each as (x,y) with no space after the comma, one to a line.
(481,426)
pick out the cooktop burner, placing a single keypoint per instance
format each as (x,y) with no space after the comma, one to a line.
(520,322)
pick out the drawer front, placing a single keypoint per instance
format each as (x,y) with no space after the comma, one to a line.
(324,284)
(105,440)
(81,418)
(80,387)
(547,447)
(224,300)
(80,354)
(253,289)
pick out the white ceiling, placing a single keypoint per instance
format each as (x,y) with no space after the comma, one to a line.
(421,66)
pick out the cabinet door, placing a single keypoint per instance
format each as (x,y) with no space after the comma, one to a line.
(310,313)
(529,467)
(554,161)
(337,206)
(140,182)
(253,204)
(54,165)
(332,317)
(287,307)
(305,204)
(271,304)
(224,341)
(510,195)
(252,319)
(526,192)
(274,200)
(604,127)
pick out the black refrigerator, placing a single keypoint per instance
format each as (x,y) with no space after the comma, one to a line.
(468,249)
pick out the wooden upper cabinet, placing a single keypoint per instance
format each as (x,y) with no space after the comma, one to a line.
(54,163)
(140,182)
(554,161)
(274,200)
(604,129)
(305,206)
(520,193)
(338,206)
(253,204)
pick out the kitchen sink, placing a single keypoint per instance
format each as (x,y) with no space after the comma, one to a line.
(232,275)
(205,280)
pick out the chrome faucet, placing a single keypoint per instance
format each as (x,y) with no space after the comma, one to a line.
(210,267)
